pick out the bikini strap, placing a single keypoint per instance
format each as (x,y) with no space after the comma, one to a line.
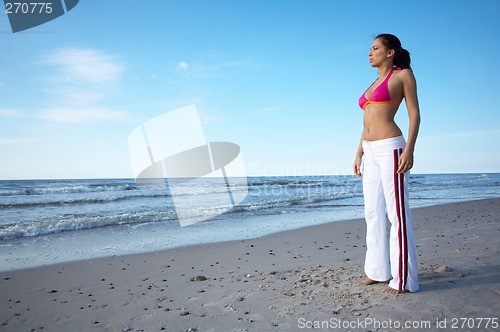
(389,75)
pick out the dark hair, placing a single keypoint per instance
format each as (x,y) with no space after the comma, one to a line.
(402,56)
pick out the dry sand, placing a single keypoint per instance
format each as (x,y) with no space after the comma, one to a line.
(288,281)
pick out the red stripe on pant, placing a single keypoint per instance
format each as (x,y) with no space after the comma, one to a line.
(405,238)
(401,215)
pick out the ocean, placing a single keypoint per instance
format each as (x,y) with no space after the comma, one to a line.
(50,221)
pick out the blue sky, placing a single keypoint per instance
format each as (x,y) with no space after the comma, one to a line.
(279,78)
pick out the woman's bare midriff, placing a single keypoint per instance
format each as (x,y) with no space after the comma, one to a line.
(379,122)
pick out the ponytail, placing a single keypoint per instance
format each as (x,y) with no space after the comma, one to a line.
(401,56)
(402,59)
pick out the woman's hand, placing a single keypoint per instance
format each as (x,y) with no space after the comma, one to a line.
(357,167)
(405,162)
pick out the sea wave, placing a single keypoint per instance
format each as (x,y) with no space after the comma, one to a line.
(55,201)
(75,223)
(68,189)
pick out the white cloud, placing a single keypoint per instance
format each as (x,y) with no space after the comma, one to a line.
(205,69)
(460,135)
(81,78)
(159,78)
(74,95)
(207,118)
(6,112)
(22,140)
(85,65)
(183,65)
(270,109)
(91,114)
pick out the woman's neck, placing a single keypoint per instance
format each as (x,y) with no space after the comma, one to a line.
(384,70)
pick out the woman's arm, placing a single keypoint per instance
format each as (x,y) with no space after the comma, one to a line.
(359,154)
(410,95)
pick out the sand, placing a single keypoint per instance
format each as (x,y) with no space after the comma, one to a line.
(290,281)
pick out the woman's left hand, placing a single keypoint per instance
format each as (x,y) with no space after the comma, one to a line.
(405,162)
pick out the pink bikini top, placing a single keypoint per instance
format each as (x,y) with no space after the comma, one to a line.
(380,95)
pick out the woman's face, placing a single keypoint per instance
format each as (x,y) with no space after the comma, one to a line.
(378,53)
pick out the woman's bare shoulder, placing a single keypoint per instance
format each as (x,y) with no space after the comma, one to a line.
(406,75)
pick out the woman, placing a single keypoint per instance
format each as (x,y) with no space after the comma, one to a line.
(386,160)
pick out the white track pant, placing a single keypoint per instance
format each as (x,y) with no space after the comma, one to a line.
(384,188)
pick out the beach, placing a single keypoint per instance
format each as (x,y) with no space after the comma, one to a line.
(288,281)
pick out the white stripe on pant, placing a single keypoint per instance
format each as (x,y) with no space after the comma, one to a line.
(384,188)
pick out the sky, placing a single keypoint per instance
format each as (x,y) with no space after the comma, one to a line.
(280,78)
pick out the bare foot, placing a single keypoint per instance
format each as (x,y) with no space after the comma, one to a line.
(391,290)
(367,281)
